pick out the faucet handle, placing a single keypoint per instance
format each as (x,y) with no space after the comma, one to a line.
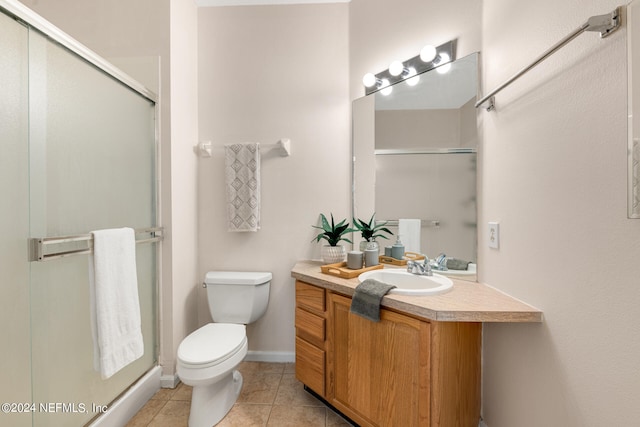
(414,267)
(410,266)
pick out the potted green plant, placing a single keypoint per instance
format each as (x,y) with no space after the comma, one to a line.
(333,233)
(370,231)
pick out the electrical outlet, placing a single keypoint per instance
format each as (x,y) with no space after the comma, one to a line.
(494,235)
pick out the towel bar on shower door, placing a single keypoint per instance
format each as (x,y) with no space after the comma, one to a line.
(80,244)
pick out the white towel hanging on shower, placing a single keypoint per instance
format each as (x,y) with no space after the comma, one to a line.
(409,231)
(115,308)
(242,170)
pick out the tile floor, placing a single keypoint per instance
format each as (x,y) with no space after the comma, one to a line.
(271,396)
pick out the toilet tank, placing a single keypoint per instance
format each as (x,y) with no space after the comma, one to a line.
(237,297)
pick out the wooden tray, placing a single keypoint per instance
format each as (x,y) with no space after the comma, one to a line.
(340,269)
(408,256)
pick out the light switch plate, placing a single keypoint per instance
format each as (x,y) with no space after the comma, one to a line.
(494,235)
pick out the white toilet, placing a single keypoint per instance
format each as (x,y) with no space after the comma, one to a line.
(207,358)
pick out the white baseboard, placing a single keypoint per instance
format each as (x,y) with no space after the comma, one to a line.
(169,381)
(271,356)
(482,424)
(123,409)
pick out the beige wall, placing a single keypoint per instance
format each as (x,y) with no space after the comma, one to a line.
(265,73)
(553,163)
(184,185)
(436,128)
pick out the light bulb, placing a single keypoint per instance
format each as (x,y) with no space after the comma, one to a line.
(443,69)
(428,53)
(369,80)
(385,87)
(412,78)
(396,68)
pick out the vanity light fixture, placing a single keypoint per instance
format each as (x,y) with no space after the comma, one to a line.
(412,78)
(428,53)
(443,59)
(397,68)
(383,85)
(430,57)
(370,80)
(386,88)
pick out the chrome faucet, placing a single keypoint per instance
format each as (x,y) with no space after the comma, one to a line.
(441,262)
(420,269)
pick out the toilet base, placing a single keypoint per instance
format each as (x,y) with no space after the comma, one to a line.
(210,403)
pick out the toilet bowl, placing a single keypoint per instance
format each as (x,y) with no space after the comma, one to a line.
(207,358)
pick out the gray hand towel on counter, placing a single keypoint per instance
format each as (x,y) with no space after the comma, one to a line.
(366,299)
(457,264)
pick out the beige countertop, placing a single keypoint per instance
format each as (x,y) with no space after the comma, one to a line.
(466,302)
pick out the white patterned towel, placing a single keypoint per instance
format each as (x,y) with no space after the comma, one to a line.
(242,169)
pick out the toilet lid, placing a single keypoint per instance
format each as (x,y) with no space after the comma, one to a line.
(246,278)
(212,343)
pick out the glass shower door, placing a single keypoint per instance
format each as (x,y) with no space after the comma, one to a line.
(15,340)
(92,166)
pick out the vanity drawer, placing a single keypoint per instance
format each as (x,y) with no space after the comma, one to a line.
(310,327)
(310,297)
(310,365)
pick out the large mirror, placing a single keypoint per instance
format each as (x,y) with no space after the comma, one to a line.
(414,158)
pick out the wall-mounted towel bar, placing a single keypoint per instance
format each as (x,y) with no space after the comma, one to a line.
(604,24)
(423,222)
(283,146)
(401,151)
(205,148)
(49,248)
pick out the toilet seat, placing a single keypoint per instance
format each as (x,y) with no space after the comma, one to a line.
(211,345)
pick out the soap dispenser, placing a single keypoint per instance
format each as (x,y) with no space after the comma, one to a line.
(397,250)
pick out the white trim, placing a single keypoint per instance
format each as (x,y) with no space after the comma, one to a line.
(127,405)
(213,3)
(270,356)
(169,381)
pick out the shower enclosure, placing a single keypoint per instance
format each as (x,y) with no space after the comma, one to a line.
(77,153)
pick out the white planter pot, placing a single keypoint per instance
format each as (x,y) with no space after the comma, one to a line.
(333,254)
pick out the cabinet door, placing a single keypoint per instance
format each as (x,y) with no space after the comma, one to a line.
(310,362)
(379,371)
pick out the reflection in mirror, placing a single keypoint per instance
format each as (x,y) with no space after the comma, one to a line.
(438,112)
(633,152)
(415,158)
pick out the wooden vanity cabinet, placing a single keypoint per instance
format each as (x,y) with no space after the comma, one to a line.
(402,371)
(311,336)
(378,372)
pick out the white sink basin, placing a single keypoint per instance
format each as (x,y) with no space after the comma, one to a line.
(409,284)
